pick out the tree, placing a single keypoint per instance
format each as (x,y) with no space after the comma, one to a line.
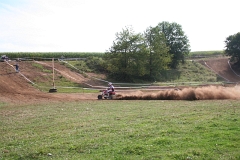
(125,57)
(146,55)
(158,57)
(233,47)
(176,40)
(95,63)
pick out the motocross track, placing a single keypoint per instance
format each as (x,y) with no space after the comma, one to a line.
(14,88)
(223,69)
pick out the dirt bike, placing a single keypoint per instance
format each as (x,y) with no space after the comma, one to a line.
(104,94)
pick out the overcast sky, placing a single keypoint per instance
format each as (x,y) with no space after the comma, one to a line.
(91,25)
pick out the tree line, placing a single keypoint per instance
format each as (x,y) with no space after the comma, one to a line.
(146,55)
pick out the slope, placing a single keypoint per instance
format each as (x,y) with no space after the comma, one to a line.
(222,67)
(15,88)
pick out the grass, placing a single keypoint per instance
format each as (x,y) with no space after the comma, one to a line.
(190,71)
(193,71)
(43,69)
(80,65)
(69,89)
(121,130)
(62,84)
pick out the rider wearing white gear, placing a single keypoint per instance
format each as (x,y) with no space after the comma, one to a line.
(110,88)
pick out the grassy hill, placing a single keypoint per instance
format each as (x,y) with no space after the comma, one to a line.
(191,71)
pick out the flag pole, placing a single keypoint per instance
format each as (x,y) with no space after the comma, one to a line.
(53,89)
(53,72)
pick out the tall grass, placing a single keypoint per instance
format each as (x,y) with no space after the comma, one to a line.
(121,130)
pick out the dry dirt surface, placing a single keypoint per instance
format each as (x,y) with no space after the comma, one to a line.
(14,88)
(222,68)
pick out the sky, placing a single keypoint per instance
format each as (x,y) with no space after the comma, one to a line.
(91,25)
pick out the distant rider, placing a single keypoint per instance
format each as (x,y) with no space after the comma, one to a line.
(110,88)
(16,67)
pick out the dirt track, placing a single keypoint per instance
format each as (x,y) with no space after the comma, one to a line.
(222,68)
(16,89)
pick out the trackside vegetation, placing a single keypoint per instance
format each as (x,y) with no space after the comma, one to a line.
(121,130)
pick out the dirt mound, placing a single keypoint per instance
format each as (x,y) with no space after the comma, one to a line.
(15,88)
(11,81)
(221,67)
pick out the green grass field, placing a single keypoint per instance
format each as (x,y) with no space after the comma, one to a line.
(121,130)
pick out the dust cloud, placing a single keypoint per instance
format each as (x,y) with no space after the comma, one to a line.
(200,93)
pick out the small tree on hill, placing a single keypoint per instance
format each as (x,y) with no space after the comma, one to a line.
(233,47)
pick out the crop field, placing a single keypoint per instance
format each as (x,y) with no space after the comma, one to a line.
(49,55)
(207,53)
(126,129)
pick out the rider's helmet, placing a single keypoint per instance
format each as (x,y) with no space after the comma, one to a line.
(109,83)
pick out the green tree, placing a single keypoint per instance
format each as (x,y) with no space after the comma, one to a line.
(95,63)
(233,47)
(158,57)
(125,57)
(177,42)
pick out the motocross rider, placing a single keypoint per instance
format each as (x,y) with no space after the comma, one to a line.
(110,88)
